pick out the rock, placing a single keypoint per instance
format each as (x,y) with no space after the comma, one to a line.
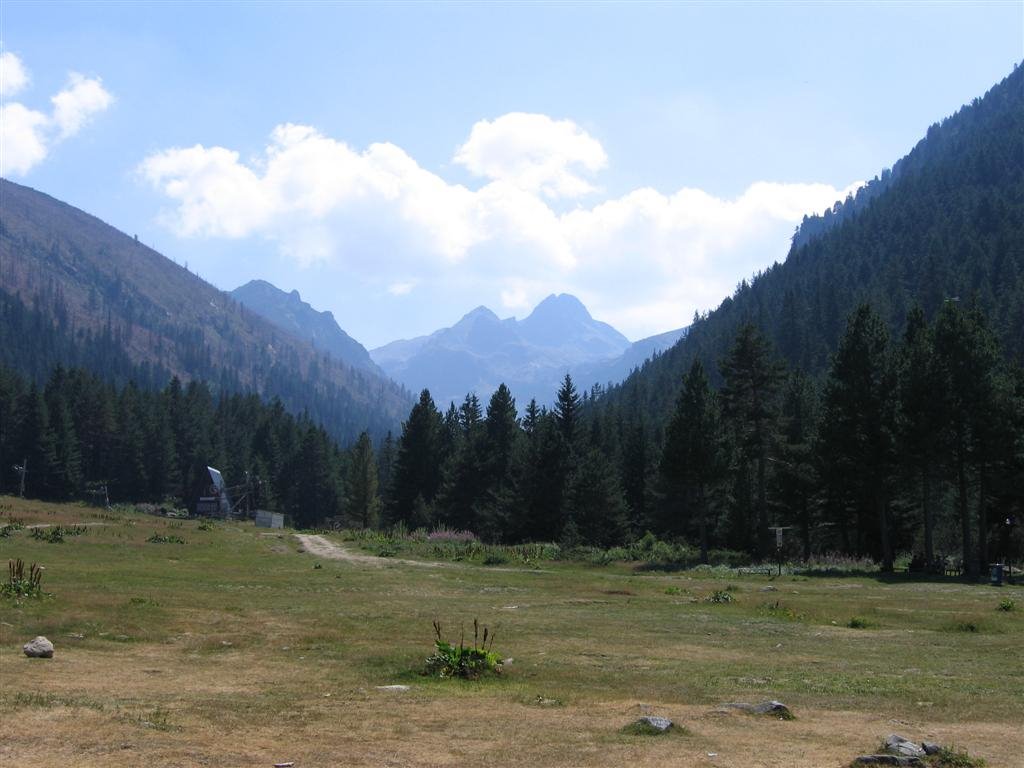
(38,648)
(909,762)
(658,723)
(898,745)
(931,748)
(773,708)
(650,725)
(392,687)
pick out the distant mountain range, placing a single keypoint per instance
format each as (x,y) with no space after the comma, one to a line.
(289,312)
(531,356)
(76,291)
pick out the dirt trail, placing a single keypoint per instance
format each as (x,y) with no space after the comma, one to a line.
(329,550)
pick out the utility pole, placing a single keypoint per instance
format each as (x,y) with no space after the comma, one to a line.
(22,470)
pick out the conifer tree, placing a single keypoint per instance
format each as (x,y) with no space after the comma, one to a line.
(420,457)
(859,422)
(363,505)
(693,457)
(749,399)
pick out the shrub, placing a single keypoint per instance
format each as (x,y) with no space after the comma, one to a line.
(1006,604)
(467,662)
(10,528)
(157,538)
(719,596)
(18,585)
(858,622)
(55,534)
(951,758)
(967,626)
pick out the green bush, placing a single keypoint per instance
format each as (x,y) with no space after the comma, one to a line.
(21,586)
(1006,605)
(858,622)
(719,596)
(157,538)
(466,662)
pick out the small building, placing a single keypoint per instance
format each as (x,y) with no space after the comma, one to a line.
(265,519)
(212,499)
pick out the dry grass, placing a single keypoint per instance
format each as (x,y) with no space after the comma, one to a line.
(233,651)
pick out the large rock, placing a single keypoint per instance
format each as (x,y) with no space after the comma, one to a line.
(657,723)
(38,648)
(773,708)
(898,745)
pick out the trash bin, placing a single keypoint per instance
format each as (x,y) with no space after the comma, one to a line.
(996,574)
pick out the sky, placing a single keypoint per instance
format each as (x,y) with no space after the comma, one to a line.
(401,164)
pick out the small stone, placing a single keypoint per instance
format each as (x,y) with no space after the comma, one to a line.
(38,648)
(931,748)
(898,745)
(392,687)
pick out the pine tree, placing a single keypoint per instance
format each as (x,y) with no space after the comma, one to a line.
(749,399)
(921,433)
(567,410)
(420,456)
(796,478)
(858,423)
(693,458)
(363,502)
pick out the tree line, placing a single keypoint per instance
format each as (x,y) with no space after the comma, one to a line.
(908,444)
(80,437)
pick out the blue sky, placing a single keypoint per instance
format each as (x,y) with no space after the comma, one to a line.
(401,164)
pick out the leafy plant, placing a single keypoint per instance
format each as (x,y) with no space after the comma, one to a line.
(1007,605)
(719,596)
(18,585)
(952,758)
(157,538)
(467,662)
(55,534)
(9,528)
(858,622)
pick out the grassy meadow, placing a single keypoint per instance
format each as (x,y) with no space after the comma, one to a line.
(240,648)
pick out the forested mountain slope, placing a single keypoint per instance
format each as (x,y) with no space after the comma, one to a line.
(946,223)
(290,313)
(77,291)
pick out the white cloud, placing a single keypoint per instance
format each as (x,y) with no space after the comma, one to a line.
(22,138)
(533,152)
(78,102)
(27,135)
(13,75)
(644,260)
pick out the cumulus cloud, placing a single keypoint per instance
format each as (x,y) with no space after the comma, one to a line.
(643,260)
(27,135)
(534,153)
(13,75)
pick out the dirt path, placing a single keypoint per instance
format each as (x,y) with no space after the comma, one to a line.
(329,550)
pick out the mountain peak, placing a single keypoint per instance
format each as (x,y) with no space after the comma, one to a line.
(480,312)
(561,305)
(287,310)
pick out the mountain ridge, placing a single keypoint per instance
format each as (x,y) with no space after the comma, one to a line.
(531,355)
(84,285)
